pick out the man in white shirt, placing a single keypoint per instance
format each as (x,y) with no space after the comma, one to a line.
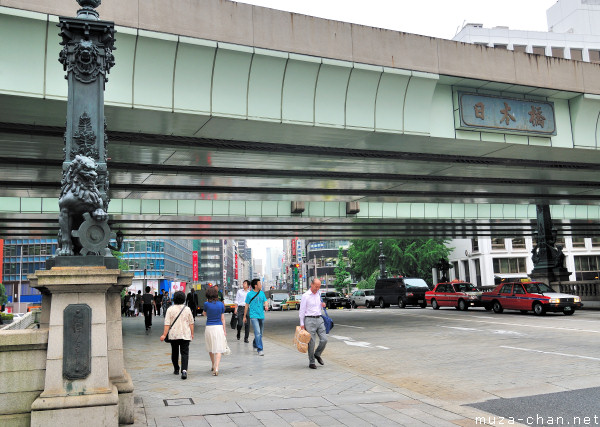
(240,307)
(311,320)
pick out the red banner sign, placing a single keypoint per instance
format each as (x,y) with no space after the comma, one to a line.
(236,266)
(293,247)
(195,266)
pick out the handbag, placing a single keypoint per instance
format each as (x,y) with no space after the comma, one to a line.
(234,320)
(167,339)
(327,320)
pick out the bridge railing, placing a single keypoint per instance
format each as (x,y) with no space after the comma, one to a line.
(587,290)
(24,322)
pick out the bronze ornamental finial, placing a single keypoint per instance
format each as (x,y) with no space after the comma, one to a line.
(87,9)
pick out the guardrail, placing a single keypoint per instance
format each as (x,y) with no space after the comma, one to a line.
(21,323)
(589,289)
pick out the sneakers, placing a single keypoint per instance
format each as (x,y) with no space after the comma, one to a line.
(183,375)
(261,353)
(246,340)
(176,371)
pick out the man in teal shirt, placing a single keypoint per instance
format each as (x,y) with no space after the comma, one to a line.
(256,305)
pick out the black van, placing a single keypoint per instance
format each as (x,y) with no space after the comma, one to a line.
(402,291)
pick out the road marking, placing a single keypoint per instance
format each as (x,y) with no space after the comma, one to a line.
(457,319)
(550,352)
(497,331)
(350,326)
(350,341)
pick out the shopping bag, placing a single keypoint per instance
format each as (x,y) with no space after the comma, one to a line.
(233,322)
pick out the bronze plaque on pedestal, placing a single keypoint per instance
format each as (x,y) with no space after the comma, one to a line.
(77,341)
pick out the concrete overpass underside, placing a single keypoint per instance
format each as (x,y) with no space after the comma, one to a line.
(218,136)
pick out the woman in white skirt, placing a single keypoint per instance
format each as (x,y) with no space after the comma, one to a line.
(215,333)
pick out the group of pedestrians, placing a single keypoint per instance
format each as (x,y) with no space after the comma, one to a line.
(250,307)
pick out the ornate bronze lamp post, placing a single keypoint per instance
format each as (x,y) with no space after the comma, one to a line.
(87,58)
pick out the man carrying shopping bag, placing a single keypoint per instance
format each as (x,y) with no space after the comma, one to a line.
(311,320)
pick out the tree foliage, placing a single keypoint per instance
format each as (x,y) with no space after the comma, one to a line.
(3,296)
(406,257)
(342,276)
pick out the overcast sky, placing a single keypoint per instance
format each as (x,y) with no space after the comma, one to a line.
(437,18)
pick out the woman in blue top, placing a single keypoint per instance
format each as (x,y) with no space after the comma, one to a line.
(215,333)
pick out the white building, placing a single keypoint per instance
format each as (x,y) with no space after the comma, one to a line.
(479,261)
(573,33)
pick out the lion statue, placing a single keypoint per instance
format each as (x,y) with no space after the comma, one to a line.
(78,195)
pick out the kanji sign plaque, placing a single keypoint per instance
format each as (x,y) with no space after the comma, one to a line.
(507,115)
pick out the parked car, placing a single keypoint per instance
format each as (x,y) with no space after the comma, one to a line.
(402,291)
(229,305)
(335,299)
(293,303)
(530,296)
(457,294)
(277,299)
(364,297)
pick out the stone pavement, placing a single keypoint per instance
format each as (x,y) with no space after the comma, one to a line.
(275,390)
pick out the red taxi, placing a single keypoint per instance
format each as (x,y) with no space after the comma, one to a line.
(460,295)
(530,296)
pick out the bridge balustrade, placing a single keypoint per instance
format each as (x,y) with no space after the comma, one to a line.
(589,289)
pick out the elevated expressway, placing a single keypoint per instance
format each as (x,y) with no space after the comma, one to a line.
(219,115)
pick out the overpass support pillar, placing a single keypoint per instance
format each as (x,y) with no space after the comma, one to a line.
(548,258)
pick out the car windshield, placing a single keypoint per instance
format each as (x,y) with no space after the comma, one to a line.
(464,287)
(416,283)
(369,292)
(280,297)
(537,288)
(331,294)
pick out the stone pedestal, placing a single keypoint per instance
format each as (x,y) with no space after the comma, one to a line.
(86,382)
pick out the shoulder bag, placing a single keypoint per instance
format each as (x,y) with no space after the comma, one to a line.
(327,320)
(167,339)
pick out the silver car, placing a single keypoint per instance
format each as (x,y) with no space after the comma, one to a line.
(364,297)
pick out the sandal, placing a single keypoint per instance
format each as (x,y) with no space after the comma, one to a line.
(216,373)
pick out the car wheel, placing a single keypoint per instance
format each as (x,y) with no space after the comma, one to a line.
(497,307)
(538,309)
(487,307)
(401,303)
(381,303)
(568,313)
(462,305)
(329,305)
(353,304)
(435,305)
(424,305)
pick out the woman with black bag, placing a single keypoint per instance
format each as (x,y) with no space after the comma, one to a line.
(179,331)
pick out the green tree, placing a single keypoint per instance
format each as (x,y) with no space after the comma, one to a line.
(342,277)
(3,296)
(407,257)
(123,266)
(369,283)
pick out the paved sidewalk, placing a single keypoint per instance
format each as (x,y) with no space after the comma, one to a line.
(275,390)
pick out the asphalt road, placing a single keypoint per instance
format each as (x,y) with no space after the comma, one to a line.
(513,365)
